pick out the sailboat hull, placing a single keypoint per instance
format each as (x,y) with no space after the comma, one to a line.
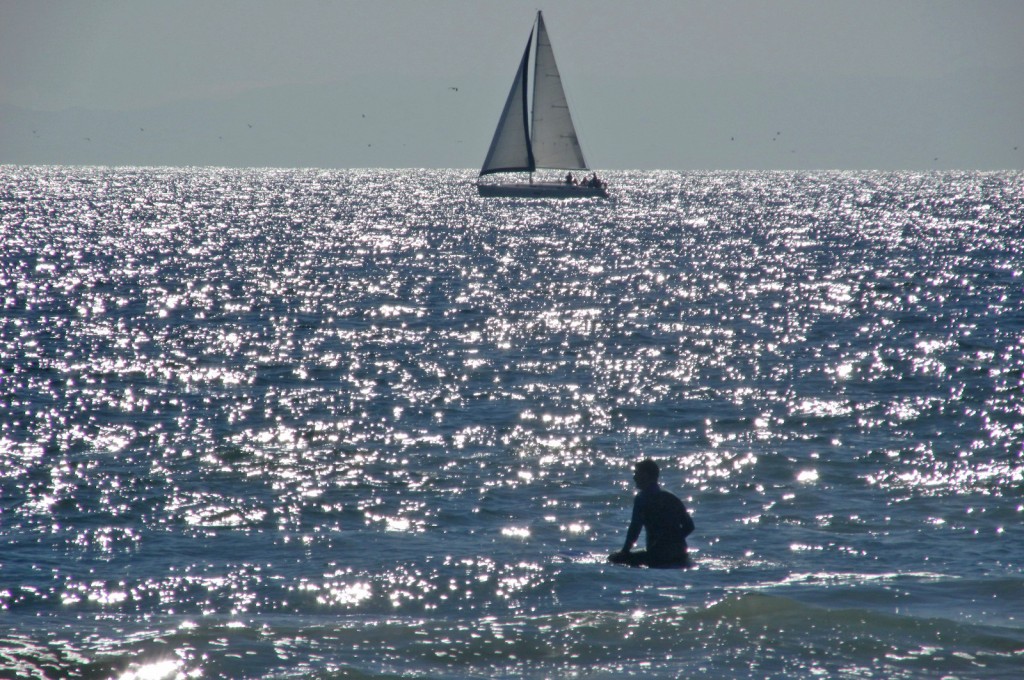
(541,190)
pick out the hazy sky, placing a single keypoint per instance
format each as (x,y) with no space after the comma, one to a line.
(670,84)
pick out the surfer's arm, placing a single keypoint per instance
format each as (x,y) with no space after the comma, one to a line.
(636,523)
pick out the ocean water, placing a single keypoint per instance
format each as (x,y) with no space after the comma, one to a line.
(304,424)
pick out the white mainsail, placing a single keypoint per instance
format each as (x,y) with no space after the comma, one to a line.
(553,143)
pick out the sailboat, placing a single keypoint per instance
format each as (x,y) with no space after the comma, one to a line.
(548,141)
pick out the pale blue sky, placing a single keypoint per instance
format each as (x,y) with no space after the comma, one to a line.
(915,84)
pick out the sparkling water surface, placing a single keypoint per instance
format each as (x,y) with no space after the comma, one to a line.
(283,424)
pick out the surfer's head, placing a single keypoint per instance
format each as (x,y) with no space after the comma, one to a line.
(645,473)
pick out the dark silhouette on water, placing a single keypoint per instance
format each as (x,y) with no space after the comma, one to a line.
(663,517)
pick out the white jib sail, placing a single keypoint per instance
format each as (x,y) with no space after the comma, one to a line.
(555,144)
(510,147)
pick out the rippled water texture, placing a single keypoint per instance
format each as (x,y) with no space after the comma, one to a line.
(332,424)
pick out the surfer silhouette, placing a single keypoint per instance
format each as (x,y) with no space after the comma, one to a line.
(664,519)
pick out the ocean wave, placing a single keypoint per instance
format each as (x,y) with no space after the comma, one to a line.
(741,635)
